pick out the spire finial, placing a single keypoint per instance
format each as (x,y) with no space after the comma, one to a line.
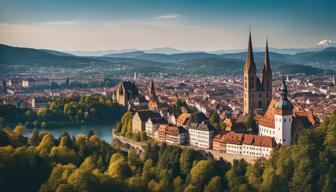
(249,64)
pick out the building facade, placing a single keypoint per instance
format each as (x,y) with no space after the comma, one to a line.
(171,134)
(140,118)
(201,135)
(152,124)
(125,93)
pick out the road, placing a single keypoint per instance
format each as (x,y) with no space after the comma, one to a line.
(216,154)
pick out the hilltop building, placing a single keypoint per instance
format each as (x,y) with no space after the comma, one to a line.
(281,122)
(125,93)
(257,90)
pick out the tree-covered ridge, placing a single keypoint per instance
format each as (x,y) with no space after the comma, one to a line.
(86,163)
(64,111)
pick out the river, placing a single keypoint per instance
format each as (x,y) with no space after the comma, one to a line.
(103,131)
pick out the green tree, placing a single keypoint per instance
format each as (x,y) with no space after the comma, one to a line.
(34,140)
(214,185)
(19,129)
(118,167)
(251,125)
(202,172)
(47,142)
(236,176)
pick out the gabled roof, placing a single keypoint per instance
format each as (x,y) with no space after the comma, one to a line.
(130,86)
(204,126)
(157,120)
(144,115)
(306,116)
(198,117)
(246,139)
(267,119)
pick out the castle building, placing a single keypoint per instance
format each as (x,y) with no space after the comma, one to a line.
(257,90)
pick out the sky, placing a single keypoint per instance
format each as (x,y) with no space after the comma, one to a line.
(91,25)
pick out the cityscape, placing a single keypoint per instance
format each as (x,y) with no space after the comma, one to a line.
(143,116)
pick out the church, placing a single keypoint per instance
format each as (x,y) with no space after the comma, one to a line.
(257,90)
(275,118)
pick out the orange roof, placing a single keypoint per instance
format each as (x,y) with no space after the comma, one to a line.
(268,119)
(307,114)
(181,120)
(247,139)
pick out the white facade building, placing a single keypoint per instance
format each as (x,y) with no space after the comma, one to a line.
(152,125)
(277,121)
(201,135)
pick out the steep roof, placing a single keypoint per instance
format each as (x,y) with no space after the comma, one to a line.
(144,115)
(198,117)
(157,120)
(267,119)
(130,86)
(204,126)
(306,116)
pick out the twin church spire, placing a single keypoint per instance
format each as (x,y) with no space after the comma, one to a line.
(250,64)
(257,90)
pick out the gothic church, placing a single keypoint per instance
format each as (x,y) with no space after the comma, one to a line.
(257,90)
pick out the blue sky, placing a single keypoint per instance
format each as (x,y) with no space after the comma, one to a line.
(144,24)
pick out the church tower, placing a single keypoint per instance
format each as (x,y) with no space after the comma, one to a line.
(250,80)
(257,91)
(152,95)
(153,99)
(266,79)
(283,117)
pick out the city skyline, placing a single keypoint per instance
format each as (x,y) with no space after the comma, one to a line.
(184,25)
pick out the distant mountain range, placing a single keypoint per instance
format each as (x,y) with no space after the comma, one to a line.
(168,50)
(16,60)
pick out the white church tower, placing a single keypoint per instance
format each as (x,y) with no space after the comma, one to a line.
(283,117)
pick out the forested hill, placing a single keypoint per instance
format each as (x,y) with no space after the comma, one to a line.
(86,163)
(28,61)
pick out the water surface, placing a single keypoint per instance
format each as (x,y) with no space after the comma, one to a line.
(103,131)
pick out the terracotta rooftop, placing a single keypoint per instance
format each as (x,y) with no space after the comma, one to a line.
(268,119)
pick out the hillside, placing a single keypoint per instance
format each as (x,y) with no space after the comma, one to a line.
(16,61)
(34,57)
(325,57)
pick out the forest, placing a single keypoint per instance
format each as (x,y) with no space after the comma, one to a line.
(87,163)
(64,111)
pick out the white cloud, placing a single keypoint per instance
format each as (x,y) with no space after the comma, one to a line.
(67,23)
(171,16)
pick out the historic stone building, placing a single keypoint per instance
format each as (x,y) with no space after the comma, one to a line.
(257,90)
(125,93)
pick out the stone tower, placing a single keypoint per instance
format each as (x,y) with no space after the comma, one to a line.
(250,78)
(257,91)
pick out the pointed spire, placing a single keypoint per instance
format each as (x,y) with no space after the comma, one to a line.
(152,90)
(249,64)
(283,89)
(266,58)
